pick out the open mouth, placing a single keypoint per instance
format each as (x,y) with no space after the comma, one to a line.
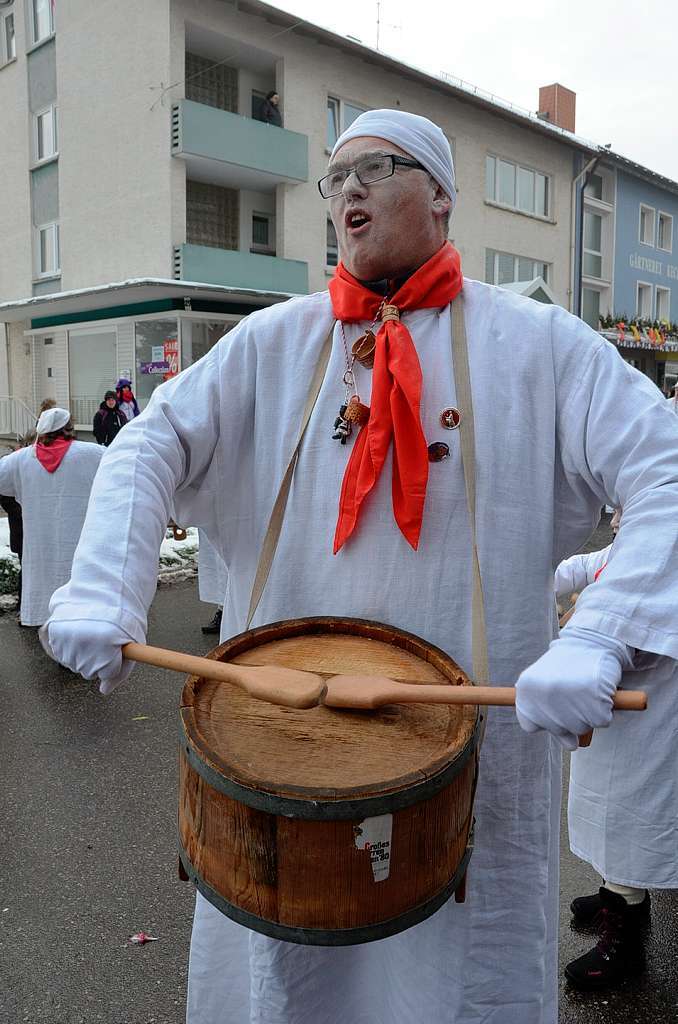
(356,219)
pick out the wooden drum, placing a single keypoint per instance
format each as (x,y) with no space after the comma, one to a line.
(323,826)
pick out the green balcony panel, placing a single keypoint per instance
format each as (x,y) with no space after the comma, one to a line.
(237,151)
(235,269)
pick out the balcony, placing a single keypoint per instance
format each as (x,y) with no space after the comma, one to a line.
(235,151)
(235,269)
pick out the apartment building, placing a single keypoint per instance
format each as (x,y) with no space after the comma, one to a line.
(146,208)
(629,263)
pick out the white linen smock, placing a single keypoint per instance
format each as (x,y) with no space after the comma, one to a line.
(212,573)
(623,800)
(571,427)
(53,507)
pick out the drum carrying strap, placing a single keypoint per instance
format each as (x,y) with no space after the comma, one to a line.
(462,383)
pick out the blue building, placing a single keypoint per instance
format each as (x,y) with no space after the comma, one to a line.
(627,252)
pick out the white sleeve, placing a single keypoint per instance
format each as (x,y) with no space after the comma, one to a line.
(619,442)
(157,462)
(8,476)
(577,572)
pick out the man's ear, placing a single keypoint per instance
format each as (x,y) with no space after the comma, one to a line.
(442,204)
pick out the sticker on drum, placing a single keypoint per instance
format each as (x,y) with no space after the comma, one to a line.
(374,835)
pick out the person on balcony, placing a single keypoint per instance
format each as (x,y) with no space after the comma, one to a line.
(270,109)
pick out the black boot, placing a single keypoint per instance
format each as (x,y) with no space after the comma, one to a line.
(585,909)
(619,953)
(215,625)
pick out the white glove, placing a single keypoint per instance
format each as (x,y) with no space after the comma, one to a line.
(90,647)
(569,690)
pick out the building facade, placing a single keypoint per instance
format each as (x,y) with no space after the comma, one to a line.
(147,208)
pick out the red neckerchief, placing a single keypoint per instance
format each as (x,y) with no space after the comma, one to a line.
(50,455)
(396,394)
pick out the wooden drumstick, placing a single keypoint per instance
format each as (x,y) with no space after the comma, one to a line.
(287,687)
(374,691)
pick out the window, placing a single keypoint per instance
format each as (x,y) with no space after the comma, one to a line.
(212,82)
(332,247)
(593,259)
(91,369)
(662,305)
(340,115)
(505,268)
(7,38)
(48,263)
(520,188)
(42,19)
(45,134)
(665,232)
(199,336)
(590,307)
(263,234)
(594,188)
(153,339)
(644,300)
(646,231)
(212,215)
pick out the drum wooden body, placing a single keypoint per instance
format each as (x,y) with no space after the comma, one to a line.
(323,826)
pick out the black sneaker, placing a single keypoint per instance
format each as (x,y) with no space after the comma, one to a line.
(585,909)
(215,625)
(619,953)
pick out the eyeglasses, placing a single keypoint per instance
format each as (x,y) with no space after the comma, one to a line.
(372,168)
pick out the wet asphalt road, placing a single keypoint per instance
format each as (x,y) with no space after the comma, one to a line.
(87,848)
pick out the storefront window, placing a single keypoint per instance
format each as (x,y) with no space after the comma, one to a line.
(198,337)
(157,356)
(91,370)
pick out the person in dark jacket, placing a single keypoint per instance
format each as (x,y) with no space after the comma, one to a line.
(109,420)
(270,110)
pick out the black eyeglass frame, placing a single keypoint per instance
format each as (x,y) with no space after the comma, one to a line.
(396,161)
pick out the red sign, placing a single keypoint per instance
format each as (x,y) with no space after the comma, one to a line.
(171,349)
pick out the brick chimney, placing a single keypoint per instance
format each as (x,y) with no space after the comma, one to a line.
(557,105)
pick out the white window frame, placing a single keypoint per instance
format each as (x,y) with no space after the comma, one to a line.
(50,110)
(5,56)
(593,252)
(662,289)
(599,293)
(514,206)
(667,217)
(639,312)
(264,250)
(56,270)
(341,104)
(648,209)
(516,258)
(35,39)
(330,267)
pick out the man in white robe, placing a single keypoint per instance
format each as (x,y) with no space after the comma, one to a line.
(53,500)
(622,805)
(571,428)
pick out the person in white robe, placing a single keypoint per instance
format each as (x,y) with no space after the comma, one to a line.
(212,580)
(571,428)
(622,805)
(53,499)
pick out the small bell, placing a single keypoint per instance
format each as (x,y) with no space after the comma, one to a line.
(363,349)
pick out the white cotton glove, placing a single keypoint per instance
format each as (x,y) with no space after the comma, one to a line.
(90,647)
(569,690)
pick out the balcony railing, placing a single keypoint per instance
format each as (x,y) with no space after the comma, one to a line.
(237,151)
(16,419)
(206,265)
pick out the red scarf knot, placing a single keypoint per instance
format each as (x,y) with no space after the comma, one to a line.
(396,392)
(50,455)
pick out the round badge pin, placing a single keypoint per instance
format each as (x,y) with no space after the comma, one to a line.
(450,418)
(437,451)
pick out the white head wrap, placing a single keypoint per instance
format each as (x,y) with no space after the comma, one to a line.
(52,419)
(418,136)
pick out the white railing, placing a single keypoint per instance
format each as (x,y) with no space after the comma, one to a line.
(83,408)
(16,419)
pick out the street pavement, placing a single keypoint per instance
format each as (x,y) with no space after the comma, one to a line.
(88,848)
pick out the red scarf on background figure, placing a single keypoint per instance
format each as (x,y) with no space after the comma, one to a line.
(50,455)
(396,393)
